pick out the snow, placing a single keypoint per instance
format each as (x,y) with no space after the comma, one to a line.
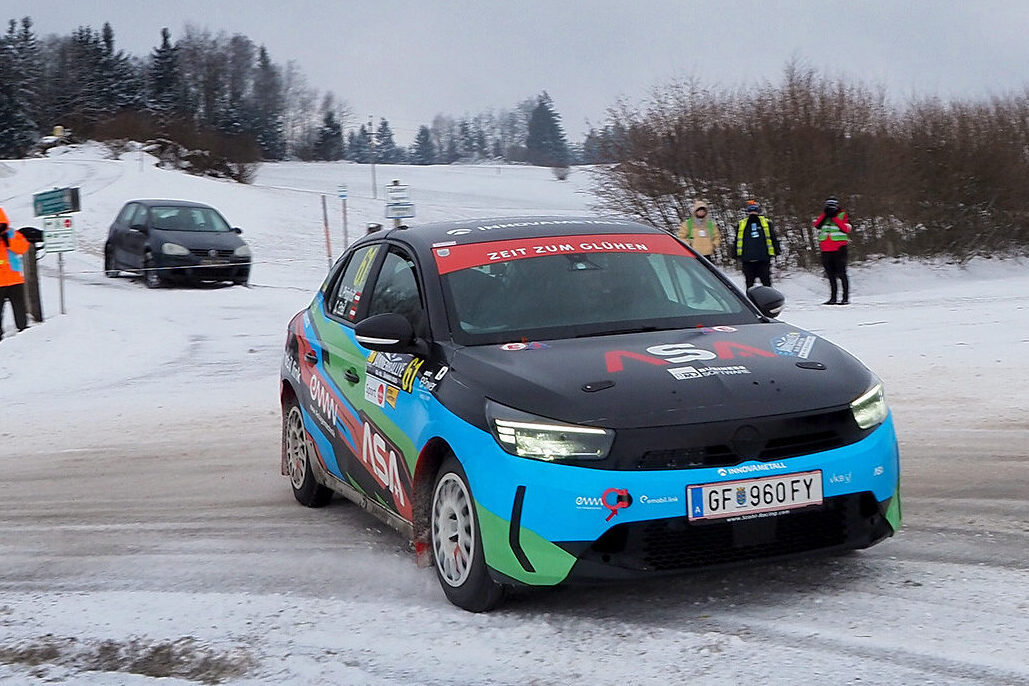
(262,591)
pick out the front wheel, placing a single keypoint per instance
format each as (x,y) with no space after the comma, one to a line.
(151,274)
(110,271)
(306,488)
(457,543)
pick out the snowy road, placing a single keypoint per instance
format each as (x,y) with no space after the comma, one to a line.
(145,531)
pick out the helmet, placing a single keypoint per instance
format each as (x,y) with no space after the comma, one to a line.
(752,206)
(832,204)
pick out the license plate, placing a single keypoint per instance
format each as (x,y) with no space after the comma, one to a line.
(753,496)
(213,261)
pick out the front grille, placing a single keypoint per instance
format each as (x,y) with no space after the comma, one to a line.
(725,444)
(676,544)
(205,252)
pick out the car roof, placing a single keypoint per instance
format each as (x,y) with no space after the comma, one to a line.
(463,231)
(151,202)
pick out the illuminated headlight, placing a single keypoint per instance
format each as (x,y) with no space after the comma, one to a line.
(526,435)
(242,251)
(870,409)
(174,249)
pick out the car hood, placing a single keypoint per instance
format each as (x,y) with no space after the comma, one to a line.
(665,378)
(199,240)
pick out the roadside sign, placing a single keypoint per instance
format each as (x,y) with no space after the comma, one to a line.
(59,235)
(396,194)
(57,201)
(341,191)
(399,210)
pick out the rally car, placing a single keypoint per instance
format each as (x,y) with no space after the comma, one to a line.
(538,401)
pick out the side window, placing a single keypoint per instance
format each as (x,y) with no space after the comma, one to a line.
(125,214)
(396,290)
(347,294)
(140,215)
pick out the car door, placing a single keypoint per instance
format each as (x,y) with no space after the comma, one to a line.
(133,242)
(390,411)
(116,234)
(335,363)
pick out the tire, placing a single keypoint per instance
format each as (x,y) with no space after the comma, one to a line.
(457,543)
(110,271)
(306,488)
(151,275)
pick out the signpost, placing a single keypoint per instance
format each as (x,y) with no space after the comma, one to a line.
(398,202)
(59,237)
(57,201)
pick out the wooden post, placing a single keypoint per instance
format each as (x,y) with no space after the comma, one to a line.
(325,223)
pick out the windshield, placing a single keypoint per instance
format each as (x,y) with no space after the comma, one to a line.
(187,219)
(567,286)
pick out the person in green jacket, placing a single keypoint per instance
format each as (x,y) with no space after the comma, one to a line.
(700,232)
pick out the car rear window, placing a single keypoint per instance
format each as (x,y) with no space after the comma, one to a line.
(568,286)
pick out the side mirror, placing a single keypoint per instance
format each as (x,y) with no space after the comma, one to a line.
(374,227)
(237,229)
(141,228)
(768,300)
(389,333)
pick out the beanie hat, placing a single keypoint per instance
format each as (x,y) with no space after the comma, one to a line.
(832,204)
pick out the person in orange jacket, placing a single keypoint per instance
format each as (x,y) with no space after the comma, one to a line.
(12,276)
(833,228)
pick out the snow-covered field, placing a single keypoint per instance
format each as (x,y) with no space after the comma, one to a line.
(146,536)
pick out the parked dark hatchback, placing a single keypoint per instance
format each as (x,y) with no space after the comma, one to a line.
(175,240)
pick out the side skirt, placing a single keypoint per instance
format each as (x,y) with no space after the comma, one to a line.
(381,513)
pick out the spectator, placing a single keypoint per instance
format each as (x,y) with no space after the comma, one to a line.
(12,278)
(700,232)
(833,227)
(756,245)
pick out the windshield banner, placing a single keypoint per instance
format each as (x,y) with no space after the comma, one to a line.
(452,258)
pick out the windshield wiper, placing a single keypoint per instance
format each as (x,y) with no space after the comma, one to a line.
(615,332)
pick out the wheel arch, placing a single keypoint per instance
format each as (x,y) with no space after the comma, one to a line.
(287,394)
(429,460)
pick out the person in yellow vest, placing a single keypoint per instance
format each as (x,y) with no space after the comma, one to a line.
(833,229)
(699,230)
(756,244)
(12,277)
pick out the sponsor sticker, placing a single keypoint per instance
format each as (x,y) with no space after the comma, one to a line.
(612,500)
(477,254)
(535,345)
(683,373)
(794,344)
(380,393)
(395,369)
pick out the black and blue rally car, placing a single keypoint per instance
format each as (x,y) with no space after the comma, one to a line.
(548,399)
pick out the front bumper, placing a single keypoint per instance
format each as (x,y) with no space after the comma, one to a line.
(189,268)
(544,523)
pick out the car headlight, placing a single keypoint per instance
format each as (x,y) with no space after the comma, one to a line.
(174,249)
(527,435)
(242,251)
(870,408)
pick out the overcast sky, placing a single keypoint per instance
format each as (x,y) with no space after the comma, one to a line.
(408,60)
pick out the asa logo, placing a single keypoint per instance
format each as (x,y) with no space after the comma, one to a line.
(384,462)
(680,353)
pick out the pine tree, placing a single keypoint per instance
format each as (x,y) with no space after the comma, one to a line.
(546,145)
(267,124)
(166,92)
(386,150)
(423,152)
(17,129)
(328,144)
